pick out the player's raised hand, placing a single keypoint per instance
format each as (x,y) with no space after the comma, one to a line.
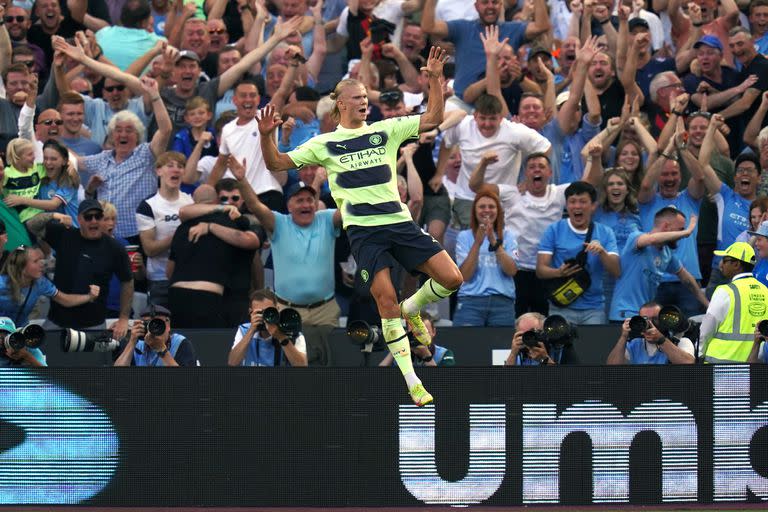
(268,120)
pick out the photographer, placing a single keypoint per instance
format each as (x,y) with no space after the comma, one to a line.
(147,347)
(433,355)
(25,357)
(650,346)
(543,352)
(260,343)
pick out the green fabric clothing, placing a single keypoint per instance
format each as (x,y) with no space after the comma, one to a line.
(24,184)
(361,167)
(17,234)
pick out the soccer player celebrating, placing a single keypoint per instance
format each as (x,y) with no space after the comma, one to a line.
(361,161)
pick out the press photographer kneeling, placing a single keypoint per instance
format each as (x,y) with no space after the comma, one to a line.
(542,341)
(151,342)
(648,338)
(271,338)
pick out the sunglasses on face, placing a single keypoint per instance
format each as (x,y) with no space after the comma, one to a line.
(93,216)
(29,63)
(17,19)
(224,199)
(49,122)
(113,88)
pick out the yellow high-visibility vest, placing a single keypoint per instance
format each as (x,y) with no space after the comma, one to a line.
(735,335)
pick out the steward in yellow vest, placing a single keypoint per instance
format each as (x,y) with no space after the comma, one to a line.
(727,331)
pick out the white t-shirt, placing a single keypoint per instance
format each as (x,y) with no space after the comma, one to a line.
(390,10)
(449,10)
(529,216)
(162,215)
(511,143)
(245,142)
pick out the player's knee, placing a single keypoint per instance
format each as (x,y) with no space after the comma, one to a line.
(454,280)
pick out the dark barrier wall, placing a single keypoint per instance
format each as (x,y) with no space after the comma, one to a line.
(472,346)
(335,437)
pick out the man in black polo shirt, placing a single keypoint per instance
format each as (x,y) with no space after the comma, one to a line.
(85,256)
(743,48)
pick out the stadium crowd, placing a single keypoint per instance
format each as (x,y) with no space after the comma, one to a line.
(597,159)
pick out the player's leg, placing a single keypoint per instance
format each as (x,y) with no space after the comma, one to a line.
(444,279)
(384,294)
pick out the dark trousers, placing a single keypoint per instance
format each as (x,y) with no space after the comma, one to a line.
(531,293)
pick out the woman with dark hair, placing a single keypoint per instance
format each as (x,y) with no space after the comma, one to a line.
(22,282)
(484,255)
(58,189)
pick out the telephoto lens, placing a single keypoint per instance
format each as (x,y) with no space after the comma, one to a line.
(361,333)
(81,341)
(155,327)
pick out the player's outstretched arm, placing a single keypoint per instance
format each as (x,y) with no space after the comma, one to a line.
(433,115)
(268,122)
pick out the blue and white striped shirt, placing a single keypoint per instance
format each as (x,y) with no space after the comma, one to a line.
(126,184)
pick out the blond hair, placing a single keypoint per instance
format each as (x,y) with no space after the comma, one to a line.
(109,208)
(335,114)
(15,149)
(14,269)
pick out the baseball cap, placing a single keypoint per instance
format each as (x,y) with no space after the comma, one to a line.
(6,324)
(741,251)
(761,231)
(562,98)
(156,310)
(298,187)
(709,40)
(638,22)
(188,54)
(538,50)
(89,204)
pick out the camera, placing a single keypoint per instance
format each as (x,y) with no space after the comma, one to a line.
(638,325)
(31,336)
(556,331)
(287,320)
(367,336)
(381,31)
(81,341)
(155,327)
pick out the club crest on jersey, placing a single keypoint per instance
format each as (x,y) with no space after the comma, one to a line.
(375,139)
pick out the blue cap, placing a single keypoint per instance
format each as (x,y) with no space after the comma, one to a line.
(709,40)
(761,231)
(298,187)
(6,324)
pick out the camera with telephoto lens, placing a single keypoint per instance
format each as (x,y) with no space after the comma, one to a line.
(31,336)
(638,325)
(81,341)
(287,320)
(155,326)
(367,336)
(556,331)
